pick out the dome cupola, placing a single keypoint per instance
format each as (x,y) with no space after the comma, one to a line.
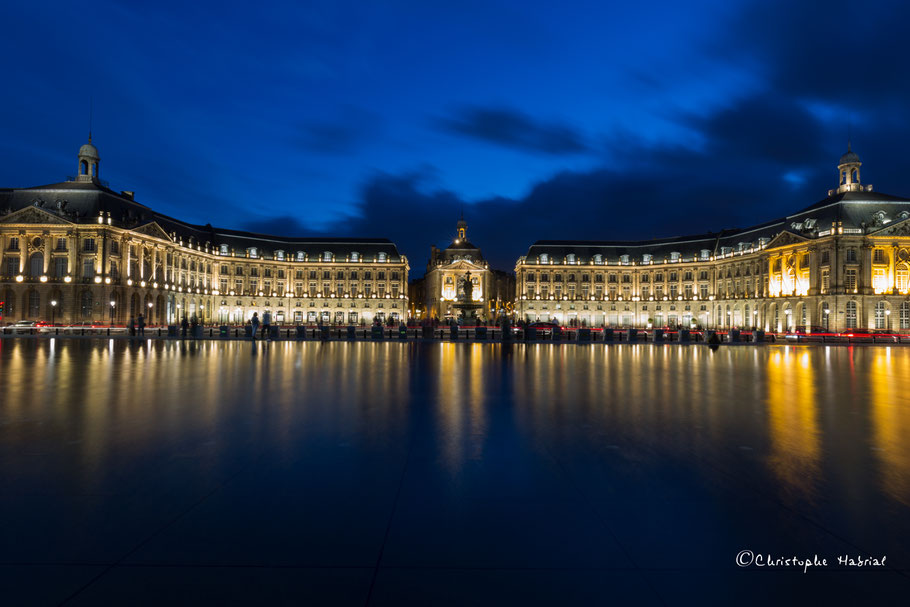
(89,161)
(848,166)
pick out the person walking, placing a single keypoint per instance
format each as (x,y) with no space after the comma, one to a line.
(184,325)
(141,321)
(267,325)
(132,325)
(255,324)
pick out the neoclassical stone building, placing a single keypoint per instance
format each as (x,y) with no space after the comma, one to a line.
(839,264)
(434,295)
(78,251)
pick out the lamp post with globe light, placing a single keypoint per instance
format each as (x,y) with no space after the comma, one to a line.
(53,312)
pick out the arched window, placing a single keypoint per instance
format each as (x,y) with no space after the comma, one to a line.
(905,315)
(34,304)
(880,315)
(851,315)
(382,256)
(355,256)
(86,305)
(544,258)
(36,265)
(855,176)
(83,167)
(327,256)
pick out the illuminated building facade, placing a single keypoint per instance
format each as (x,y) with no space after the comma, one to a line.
(841,263)
(434,296)
(78,251)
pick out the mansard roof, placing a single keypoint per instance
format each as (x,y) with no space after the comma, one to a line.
(860,212)
(84,202)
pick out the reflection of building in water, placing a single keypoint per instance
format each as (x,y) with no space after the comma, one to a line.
(78,251)
(793,421)
(841,263)
(890,415)
(435,295)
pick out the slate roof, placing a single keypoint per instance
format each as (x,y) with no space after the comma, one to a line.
(863,211)
(83,202)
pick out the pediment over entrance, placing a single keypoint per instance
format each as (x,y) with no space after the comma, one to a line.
(153,229)
(34,215)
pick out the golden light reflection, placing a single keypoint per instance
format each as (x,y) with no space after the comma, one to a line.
(890,417)
(461,408)
(793,420)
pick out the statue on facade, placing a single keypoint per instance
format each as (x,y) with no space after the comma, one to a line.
(467,288)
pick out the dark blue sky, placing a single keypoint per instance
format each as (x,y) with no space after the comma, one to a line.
(579,120)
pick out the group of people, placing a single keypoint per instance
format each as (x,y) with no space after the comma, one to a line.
(140,323)
(266,325)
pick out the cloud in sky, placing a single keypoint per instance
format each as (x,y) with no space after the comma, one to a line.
(514,129)
(612,125)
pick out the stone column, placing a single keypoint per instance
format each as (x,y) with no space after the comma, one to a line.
(72,257)
(866,270)
(47,252)
(814,286)
(23,255)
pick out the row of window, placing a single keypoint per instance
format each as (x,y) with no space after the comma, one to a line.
(613,278)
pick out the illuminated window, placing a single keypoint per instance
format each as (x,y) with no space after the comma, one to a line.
(851,314)
(905,315)
(879,315)
(902,278)
(826,280)
(850,281)
(879,283)
(878,256)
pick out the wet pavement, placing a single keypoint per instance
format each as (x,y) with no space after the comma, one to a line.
(156,472)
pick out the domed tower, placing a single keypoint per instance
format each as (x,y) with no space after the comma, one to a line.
(849,172)
(461,230)
(89,160)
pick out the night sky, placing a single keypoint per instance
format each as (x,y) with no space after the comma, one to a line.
(541,120)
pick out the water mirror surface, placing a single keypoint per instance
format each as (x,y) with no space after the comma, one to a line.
(385,473)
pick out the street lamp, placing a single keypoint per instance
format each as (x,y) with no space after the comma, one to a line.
(112,312)
(53,311)
(149,304)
